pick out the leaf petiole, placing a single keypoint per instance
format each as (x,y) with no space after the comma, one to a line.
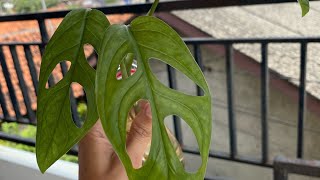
(153,8)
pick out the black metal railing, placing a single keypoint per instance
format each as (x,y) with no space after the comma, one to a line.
(264,42)
(195,43)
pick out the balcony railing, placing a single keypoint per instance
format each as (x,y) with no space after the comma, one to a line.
(196,43)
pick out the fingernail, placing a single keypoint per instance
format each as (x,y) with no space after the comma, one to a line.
(147,110)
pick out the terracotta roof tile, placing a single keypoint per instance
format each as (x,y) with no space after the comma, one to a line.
(27,31)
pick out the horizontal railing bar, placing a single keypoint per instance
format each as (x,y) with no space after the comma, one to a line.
(12,119)
(17,139)
(21,44)
(144,7)
(209,40)
(190,150)
(28,142)
(226,156)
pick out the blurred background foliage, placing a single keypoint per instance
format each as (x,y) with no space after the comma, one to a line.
(27,6)
(32,6)
(29,131)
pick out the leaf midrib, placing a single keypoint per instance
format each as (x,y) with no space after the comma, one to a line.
(70,71)
(137,50)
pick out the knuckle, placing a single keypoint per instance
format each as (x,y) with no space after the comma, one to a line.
(141,130)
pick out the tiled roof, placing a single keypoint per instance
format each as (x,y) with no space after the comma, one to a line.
(28,31)
(280,20)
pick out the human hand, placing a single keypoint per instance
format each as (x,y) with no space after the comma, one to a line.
(97,159)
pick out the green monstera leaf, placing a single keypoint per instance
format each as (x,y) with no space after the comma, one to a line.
(150,38)
(56,131)
(304,6)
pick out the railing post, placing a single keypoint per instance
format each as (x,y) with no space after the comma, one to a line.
(3,104)
(264,101)
(44,39)
(43,31)
(176,120)
(73,102)
(22,84)
(302,98)
(11,89)
(32,68)
(198,58)
(231,114)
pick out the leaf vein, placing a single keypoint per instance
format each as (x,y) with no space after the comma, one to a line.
(157,51)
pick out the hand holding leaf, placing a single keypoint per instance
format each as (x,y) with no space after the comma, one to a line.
(145,38)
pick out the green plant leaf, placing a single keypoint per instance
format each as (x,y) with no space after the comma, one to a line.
(148,37)
(304,6)
(56,131)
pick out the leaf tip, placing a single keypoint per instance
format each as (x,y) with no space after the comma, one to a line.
(305,13)
(305,7)
(43,165)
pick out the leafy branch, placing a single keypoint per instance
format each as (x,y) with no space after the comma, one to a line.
(111,99)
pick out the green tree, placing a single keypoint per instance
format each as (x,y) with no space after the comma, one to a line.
(27,6)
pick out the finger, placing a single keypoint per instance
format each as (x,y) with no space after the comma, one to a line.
(96,154)
(140,134)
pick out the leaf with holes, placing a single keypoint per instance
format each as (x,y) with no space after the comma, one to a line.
(304,6)
(56,131)
(148,37)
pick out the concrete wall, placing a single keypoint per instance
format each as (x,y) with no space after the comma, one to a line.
(282,121)
(21,165)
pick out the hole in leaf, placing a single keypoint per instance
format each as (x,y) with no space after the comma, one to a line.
(78,108)
(82,110)
(189,140)
(127,67)
(172,78)
(139,133)
(58,73)
(91,55)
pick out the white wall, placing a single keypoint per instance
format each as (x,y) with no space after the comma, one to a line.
(21,165)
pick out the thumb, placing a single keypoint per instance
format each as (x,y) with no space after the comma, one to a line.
(140,134)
